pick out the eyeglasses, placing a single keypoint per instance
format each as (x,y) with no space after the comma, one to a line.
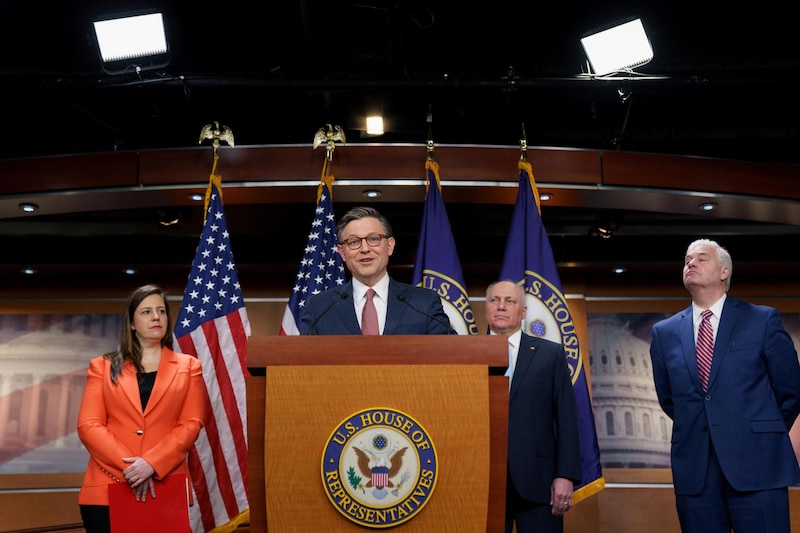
(373,239)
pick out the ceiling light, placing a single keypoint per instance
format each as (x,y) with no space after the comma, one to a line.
(545,196)
(28,207)
(619,270)
(132,43)
(372,193)
(604,227)
(708,206)
(618,49)
(196,196)
(375,125)
(29,271)
(168,218)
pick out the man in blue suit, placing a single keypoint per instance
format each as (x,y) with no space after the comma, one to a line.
(544,458)
(732,460)
(365,244)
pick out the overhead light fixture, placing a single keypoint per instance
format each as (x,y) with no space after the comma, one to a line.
(132,43)
(372,193)
(618,49)
(545,196)
(708,206)
(375,125)
(196,196)
(29,271)
(28,207)
(604,227)
(167,218)
(129,271)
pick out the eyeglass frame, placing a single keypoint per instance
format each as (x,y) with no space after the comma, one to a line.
(350,242)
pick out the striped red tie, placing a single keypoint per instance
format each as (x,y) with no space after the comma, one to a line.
(369,316)
(705,348)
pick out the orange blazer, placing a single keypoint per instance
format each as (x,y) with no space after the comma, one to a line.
(111,423)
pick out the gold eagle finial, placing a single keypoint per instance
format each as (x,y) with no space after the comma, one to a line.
(216,135)
(329,135)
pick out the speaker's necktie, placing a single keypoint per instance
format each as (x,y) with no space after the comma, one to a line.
(705,348)
(369,316)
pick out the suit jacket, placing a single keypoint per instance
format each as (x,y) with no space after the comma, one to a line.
(543,438)
(111,423)
(410,310)
(752,400)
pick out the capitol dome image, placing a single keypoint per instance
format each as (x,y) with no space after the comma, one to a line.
(632,429)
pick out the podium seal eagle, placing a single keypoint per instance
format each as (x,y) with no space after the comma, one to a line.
(379,467)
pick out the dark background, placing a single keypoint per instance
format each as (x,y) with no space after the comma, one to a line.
(723,84)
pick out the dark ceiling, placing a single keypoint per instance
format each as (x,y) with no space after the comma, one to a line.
(723,84)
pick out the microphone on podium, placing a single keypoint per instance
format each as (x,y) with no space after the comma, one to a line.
(342,296)
(447,325)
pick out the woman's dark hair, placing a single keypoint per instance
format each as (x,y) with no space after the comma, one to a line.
(129,347)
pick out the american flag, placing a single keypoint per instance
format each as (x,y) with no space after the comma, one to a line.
(212,325)
(321,267)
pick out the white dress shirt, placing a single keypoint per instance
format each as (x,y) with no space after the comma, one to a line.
(380,299)
(716,314)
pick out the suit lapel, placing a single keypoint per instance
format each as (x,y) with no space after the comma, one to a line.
(346,310)
(727,323)
(688,344)
(130,386)
(394,308)
(167,369)
(525,355)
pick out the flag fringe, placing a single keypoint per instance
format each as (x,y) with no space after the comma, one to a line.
(214,180)
(433,166)
(243,517)
(325,180)
(588,490)
(528,168)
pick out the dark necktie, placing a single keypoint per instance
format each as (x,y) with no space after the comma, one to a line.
(705,348)
(369,316)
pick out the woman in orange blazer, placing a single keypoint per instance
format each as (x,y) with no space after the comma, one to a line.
(141,411)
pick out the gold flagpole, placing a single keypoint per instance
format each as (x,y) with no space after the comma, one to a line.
(217,136)
(327,135)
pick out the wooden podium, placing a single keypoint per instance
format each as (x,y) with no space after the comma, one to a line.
(303,387)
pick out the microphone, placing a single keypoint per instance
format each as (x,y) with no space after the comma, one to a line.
(342,296)
(450,330)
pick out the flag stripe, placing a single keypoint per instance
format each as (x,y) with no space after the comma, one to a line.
(214,464)
(201,496)
(213,326)
(235,439)
(219,441)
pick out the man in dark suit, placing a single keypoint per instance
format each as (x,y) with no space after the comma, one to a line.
(732,460)
(365,244)
(544,459)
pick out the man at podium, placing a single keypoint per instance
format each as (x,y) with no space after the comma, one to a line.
(372,303)
(544,457)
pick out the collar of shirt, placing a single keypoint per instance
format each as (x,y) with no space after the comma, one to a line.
(380,300)
(716,315)
(513,349)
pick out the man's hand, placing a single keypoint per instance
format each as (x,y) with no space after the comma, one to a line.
(560,496)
